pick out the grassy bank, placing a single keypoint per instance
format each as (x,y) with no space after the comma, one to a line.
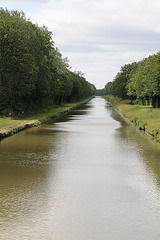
(10,126)
(145,117)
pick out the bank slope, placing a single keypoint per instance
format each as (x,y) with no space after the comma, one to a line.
(146,118)
(9,126)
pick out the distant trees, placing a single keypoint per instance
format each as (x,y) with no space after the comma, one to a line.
(33,73)
(118,86)
(108,88)
(100,92)
(140,81)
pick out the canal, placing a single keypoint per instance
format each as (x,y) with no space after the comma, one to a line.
(89,176)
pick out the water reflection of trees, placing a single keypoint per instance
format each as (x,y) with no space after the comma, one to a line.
(81,110)
(148,148)
(28,162)
(26,167)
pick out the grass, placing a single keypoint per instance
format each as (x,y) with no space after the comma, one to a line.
(9,126)
(145,117)
(6,124)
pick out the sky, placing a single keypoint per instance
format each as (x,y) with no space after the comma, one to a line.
(97,36)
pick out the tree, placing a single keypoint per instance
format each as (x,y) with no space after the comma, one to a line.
(33,73)
(145,83)
(18,68)
(118,87)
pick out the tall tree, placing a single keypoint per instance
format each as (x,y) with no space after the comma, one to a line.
(18,67)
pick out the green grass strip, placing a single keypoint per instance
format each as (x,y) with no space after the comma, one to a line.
(145,117)
(10,126)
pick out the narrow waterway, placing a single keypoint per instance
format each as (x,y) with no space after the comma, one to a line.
(89,176)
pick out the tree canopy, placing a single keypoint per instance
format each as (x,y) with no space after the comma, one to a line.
(140,81)
(33,73)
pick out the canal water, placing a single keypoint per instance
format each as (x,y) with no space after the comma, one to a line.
(89,176)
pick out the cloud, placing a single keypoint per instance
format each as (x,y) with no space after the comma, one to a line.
(23,2)
(23,5)
(99,36)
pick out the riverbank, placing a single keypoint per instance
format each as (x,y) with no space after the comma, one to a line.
(145,118)
(10,126)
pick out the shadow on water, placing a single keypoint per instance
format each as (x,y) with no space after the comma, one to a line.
(114,114)
(28,168)
(148,148)
(79,111)
(26,163)
(74,179)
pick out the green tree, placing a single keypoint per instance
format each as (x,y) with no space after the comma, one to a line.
(18,68)
(145,83)
(118,87)
(33,73)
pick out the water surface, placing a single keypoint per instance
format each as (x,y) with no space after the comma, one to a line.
(89,176)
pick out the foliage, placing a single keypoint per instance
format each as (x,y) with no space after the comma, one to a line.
(144,117)
(138,81)
(145,83)
(100,92)
(118,86)
(33,73)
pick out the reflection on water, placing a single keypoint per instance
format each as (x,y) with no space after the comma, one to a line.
(146,146)
(88,176)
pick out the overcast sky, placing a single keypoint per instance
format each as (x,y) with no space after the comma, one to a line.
(97,36)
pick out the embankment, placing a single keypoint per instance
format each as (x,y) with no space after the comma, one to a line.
(146,118)
(10,126)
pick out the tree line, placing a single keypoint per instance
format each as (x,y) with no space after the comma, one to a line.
(33,73)
(138,81)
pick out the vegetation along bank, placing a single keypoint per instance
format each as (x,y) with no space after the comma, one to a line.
(36,82)
(33,73)
(146,118)
(10,126)
(135,91)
